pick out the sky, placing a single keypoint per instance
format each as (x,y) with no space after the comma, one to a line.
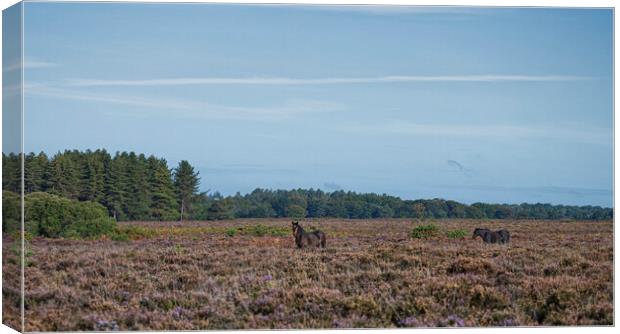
(11,79)
(472,104)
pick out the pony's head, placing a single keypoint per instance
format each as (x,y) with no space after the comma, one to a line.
(478,232)
(295,225)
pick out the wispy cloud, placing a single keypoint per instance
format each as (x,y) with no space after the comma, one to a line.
(288,81)
(28,64)
(106,98)
(192,108)
(408,128)
(12,90)
(388,9)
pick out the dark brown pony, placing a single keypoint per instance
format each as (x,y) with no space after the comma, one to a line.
(305,239)
(505,236)
(492,237)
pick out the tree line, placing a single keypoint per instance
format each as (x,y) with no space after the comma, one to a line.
(136,187)
(300,203)
(131,186)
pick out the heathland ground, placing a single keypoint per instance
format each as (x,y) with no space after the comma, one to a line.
(373,273)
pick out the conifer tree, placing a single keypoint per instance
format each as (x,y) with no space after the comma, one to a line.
(33,174)
(93,177)
(163,198)
(186,184)
(114,181)
(11,172)
(64,175)
(138,200)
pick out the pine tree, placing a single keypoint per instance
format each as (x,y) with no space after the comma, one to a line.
(93,176)
(186,183)
(138,201)
(163,198)
(31,171)
(64,175)
(11,172)
(114,181)
(43,163)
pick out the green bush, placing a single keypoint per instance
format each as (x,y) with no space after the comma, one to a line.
(118,236)
(17,235)
(10,225)
(257,230)
(52,216)
(90,228)
(425,231)
(456,234)
(133,232)
(296,211)
(16,249)
(11,212)
(231,232)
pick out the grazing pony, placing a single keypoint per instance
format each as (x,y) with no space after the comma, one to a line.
(304,239)
(505,236)
(492,237)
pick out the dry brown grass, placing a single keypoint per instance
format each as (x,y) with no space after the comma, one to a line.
(372,274)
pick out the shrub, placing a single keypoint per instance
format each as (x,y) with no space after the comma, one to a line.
(118,235)
(134,232)
(11,211)
(90,228)
(456,234)
(424,231)
(296,211)
(231,232)
(53,217)
(10,225)
(17,235)
(16,249)
(258,230)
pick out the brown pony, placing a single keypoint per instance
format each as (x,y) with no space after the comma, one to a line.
(492,237)
(304,239)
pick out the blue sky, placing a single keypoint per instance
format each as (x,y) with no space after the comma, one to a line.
(11,79)
(471,104)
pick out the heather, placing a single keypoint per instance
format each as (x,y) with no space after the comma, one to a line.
(373,273)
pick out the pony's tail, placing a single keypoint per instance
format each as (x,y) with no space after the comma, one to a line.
(323,240)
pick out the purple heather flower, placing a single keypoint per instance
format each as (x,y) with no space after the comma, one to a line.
(105,325)
(178,312)
(454,320)
(508,323)
(409,322)
(340,324)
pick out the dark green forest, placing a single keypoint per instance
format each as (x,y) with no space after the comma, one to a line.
(136,187)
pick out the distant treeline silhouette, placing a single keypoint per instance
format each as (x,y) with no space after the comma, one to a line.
(300,203)
(136,187)
(131,186)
